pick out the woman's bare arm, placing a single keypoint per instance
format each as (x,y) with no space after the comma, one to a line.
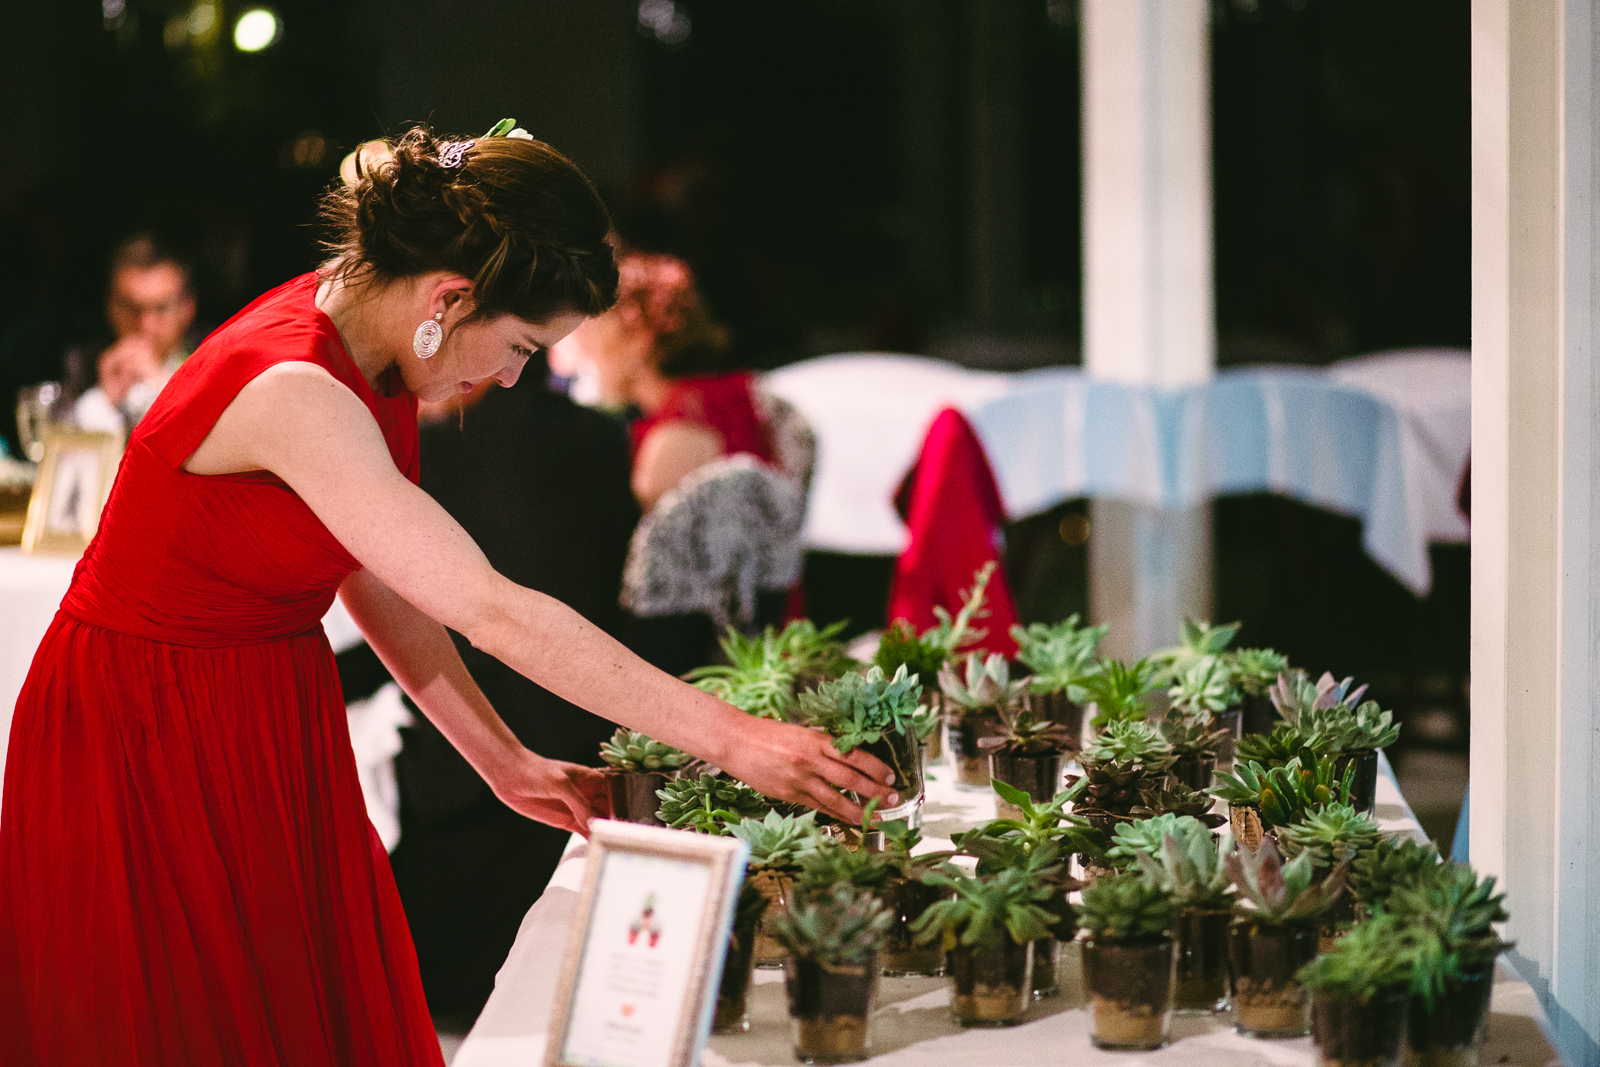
(667,453)
(298,422)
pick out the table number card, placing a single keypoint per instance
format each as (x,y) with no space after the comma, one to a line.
(638,986)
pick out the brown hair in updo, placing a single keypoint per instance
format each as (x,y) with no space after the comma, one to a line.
(515,216)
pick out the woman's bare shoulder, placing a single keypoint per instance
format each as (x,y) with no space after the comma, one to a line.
(279,412)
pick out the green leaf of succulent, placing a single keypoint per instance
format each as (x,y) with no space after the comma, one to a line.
(1255,670)
(986,907)
(629,750)
(1281,893)
(1204,688)
(955,635)
(984,683)
(1060,656)
(1391,863)
(1188,867)
(1375,956)
(901,647)
(1125,907)
(1129,743)
(1145,836)
(839,924)
(859,709)
(777,841)
(1118,691)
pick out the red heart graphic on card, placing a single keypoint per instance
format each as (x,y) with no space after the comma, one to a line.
(627,1010)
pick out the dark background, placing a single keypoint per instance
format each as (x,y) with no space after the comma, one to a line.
(843,174)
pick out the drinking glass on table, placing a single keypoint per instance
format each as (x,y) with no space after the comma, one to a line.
(34,404)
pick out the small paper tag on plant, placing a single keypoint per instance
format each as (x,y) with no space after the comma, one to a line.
(1247,827)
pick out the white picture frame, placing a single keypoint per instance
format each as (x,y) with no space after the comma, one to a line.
(638,984)
(73,485)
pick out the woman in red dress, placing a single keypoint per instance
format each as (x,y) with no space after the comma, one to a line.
(187,874)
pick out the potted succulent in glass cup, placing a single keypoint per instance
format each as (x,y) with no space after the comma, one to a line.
(1334,835)
(758,678)
(708,804)
(1454,970)
(923,657)
(1060,657)
(1274,934)
(1279,796)
(972,702)
(1200,694)
(1189,869)
(1129,756)
(1254,672)
(987,928)
(637,766)
(733,991)
(880,716)
(908,897)
(1118,692)
(1026,755)
(1128,961)
(831,971)
(776,844)
(1358,994)
(1331,720)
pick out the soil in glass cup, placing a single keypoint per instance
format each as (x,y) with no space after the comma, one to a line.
(1267,1001)
(993,983)
(1129,985)
(830,1008)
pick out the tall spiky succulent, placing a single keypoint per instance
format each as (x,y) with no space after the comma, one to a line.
(1390,864)
(1459,907)
(1377,955)
(841,925)
(862,709)
(1146,835)
(957,634)
(777,841)
(757,678)
(1255,670)
(1196,641)
(985,909)
(1024,734)
(629,750)
(1125,907)
(983,684)
(1278,893)
(1118,691)
(1060,656)
(1285,794)
(812,651)
(709,805)
(1188,867)
(1334,834)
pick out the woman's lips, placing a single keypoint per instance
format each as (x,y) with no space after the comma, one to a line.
(466,387)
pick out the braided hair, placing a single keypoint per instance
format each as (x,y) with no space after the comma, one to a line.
(512,214)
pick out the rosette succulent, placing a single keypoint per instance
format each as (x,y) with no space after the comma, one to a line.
(1159,799)
(777,841)
(1279,893)
(1126,907)
(841,925)
(1024,734)
(1388,865)
(1116,765)
(1285,794)
(1196,641)
(629,750)
(1377,955)
(1146,835)
(1255,670)
(709,805)
(761,673)
(1460,910)
(984,909)
(1334,834)
(861,709)
(829,863)
(983,684)
(1203,689)
(1188,867)
(1060,656)
(1118,691)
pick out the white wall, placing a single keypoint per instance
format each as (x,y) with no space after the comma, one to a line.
(1535,560)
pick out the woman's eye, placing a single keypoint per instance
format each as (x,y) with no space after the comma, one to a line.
(524,352)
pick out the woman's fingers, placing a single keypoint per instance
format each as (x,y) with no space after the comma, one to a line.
(838,805)
(871,767)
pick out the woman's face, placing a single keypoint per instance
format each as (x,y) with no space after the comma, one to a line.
(474,352)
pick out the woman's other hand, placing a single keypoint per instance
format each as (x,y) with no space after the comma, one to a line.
(800,765)
(564,795)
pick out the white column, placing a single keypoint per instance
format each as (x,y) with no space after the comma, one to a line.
(1535,503)
(1148,306)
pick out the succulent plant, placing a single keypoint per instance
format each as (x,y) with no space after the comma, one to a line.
(1329,717)
(1281,893)
(1285,794)
(900,838)
(861,709)
(982,683)
(1024,734)
(1125,907)
(1060,656)
(1366,729)
(1146,835)
(1196,641)
(761,671)
(829,863)
(1459,907)
(629,750)
(1040,825)
(1188,867)
(1205,687)
(1118,691)
(1298,699)
(1375,956)
(1255,669)
(901,647)
(957,634)
(1192,733)
(1131,742)
(1127,758)
(813,651)
(1283,744)
(709,805)
(840,925)
(985,908)
(1391,863)
(1159,799)
(777,841)
(1337,833)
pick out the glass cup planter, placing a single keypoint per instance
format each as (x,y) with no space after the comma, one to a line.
(1447,1034)
(1129,984)
(1267,1001)
(972,762)
(900,954)
(733,994)
(1047,951)
(1232,721)
(1046,981)
(776,887)
(1364,790)
(1193,772)
(933,744)
(1201,984)
(1354,1033)
(830,1006)
(1258,714)
(633,795)
(993,982)
(902,753)
(1037,776)
(1058,707)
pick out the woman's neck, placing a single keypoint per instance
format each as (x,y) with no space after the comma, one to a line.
(650,390)
(364,314)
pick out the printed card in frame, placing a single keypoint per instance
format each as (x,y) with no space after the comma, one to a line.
(74,481)
(638,986)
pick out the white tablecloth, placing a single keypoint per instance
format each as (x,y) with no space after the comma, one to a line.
(1383,438)
(912,1027)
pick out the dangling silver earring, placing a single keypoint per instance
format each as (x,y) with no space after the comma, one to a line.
(428,337)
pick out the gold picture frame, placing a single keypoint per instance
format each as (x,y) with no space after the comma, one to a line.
(638,983)
(73,485)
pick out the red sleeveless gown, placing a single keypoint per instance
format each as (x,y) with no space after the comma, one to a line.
(187,873)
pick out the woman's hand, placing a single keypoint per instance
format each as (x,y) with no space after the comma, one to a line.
(563,795)
(797,764)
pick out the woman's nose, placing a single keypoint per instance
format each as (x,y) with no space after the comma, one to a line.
(508,377)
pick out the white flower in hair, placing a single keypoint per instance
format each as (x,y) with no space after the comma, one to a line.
(520,134)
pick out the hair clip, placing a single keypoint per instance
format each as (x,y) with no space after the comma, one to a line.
(452,154)
(509,128)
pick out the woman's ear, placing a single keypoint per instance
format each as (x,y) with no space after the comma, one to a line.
(452,295)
